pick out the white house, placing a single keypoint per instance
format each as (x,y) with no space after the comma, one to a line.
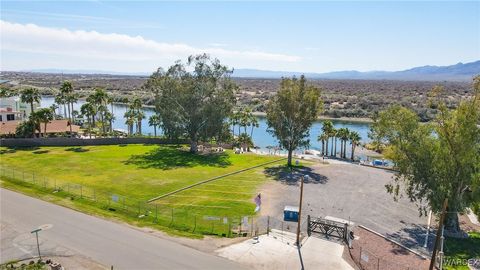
(7,114)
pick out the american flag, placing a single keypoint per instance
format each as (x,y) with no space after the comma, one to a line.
(258,202)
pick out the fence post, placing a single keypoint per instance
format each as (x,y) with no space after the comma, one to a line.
(229,228)
(240,229)
(251,229)
(81,191)
(194,223)
(268,225)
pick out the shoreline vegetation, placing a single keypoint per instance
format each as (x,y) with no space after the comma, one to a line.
(324,117)
(263,114)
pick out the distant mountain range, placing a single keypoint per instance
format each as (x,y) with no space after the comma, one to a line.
(458,72)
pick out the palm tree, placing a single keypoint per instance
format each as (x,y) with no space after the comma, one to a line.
(99,99)
(109,117)
(102,109)
(332,135)
(136,108)
(130,120)
(66,91)
(30,95)
(70,98)
(140,115)
(327,130)
(354,140)
(154,121)
(343,134)
(88,110)
(44,116)
(54,107)
(323,138)
(334,138)
(60,100)
(233,122)
(34,118)
(253,124)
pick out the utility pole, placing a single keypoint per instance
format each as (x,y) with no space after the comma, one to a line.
(300,212)
(439,232)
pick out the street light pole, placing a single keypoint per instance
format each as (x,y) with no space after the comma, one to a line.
(300,212)
(38,245)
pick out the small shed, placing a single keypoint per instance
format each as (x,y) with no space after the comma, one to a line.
(290,213)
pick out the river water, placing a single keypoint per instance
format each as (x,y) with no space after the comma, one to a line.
(261,137)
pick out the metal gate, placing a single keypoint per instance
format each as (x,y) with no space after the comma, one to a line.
(327,227)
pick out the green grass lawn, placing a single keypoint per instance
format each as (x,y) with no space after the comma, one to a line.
(136,173)
(458,251)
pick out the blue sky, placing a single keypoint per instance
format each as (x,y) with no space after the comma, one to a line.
(307,36)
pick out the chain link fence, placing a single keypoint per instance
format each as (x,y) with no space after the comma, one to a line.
(179,218)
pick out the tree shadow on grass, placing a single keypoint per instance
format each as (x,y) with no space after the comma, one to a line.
(77,149)
(170,157)
(291,176)
(12,150)
(37,152)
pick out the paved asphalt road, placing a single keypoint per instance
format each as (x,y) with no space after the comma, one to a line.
(106,242)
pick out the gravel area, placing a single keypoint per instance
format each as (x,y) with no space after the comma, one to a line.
(351,192)
(372,251)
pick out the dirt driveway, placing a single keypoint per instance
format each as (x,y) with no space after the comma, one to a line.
(351,192)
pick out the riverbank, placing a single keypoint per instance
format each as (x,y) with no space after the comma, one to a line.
(363,120)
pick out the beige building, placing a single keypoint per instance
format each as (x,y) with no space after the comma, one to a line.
(13,105)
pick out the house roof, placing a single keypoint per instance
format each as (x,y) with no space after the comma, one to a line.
(55,126)
(8,127)
(59,126)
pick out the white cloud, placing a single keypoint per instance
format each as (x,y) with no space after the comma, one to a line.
(107,51)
